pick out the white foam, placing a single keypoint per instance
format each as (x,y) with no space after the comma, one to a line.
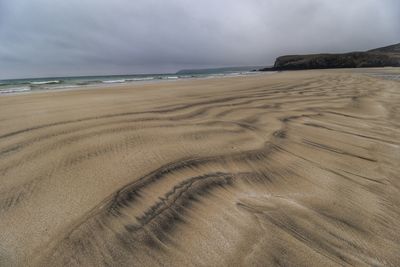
(15,90)
(140,79)
(114,81)
(45,82)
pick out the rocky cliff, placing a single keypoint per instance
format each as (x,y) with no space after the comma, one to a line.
(388,56)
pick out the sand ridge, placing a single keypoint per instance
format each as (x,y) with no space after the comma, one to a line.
(293,169)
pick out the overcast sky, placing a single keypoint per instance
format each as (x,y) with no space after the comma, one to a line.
(40,38)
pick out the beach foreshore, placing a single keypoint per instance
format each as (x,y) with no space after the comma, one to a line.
(291,169)
(35,85)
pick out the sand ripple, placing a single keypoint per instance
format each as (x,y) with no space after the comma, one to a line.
(290,169)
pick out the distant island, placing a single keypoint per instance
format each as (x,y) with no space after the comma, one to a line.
(217,70)
(388,56)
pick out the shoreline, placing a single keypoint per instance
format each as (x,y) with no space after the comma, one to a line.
(110,83)
(380,72)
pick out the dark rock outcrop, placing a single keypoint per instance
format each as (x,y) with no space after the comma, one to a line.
(388,56)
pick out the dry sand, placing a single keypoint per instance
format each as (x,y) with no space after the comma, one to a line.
(290,169)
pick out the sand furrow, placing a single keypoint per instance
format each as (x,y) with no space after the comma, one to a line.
(291,169)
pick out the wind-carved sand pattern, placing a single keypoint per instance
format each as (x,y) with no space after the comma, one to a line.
(290,169)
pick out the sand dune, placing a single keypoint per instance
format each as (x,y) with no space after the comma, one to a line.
(289,169)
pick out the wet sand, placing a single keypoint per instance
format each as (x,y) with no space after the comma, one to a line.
(290,169)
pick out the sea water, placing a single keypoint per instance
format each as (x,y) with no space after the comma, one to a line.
(16,86)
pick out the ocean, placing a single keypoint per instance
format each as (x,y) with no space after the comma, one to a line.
(18,86)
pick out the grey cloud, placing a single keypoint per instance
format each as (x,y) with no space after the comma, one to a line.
(86,37)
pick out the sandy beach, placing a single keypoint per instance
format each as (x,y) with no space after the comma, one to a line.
(286,169)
